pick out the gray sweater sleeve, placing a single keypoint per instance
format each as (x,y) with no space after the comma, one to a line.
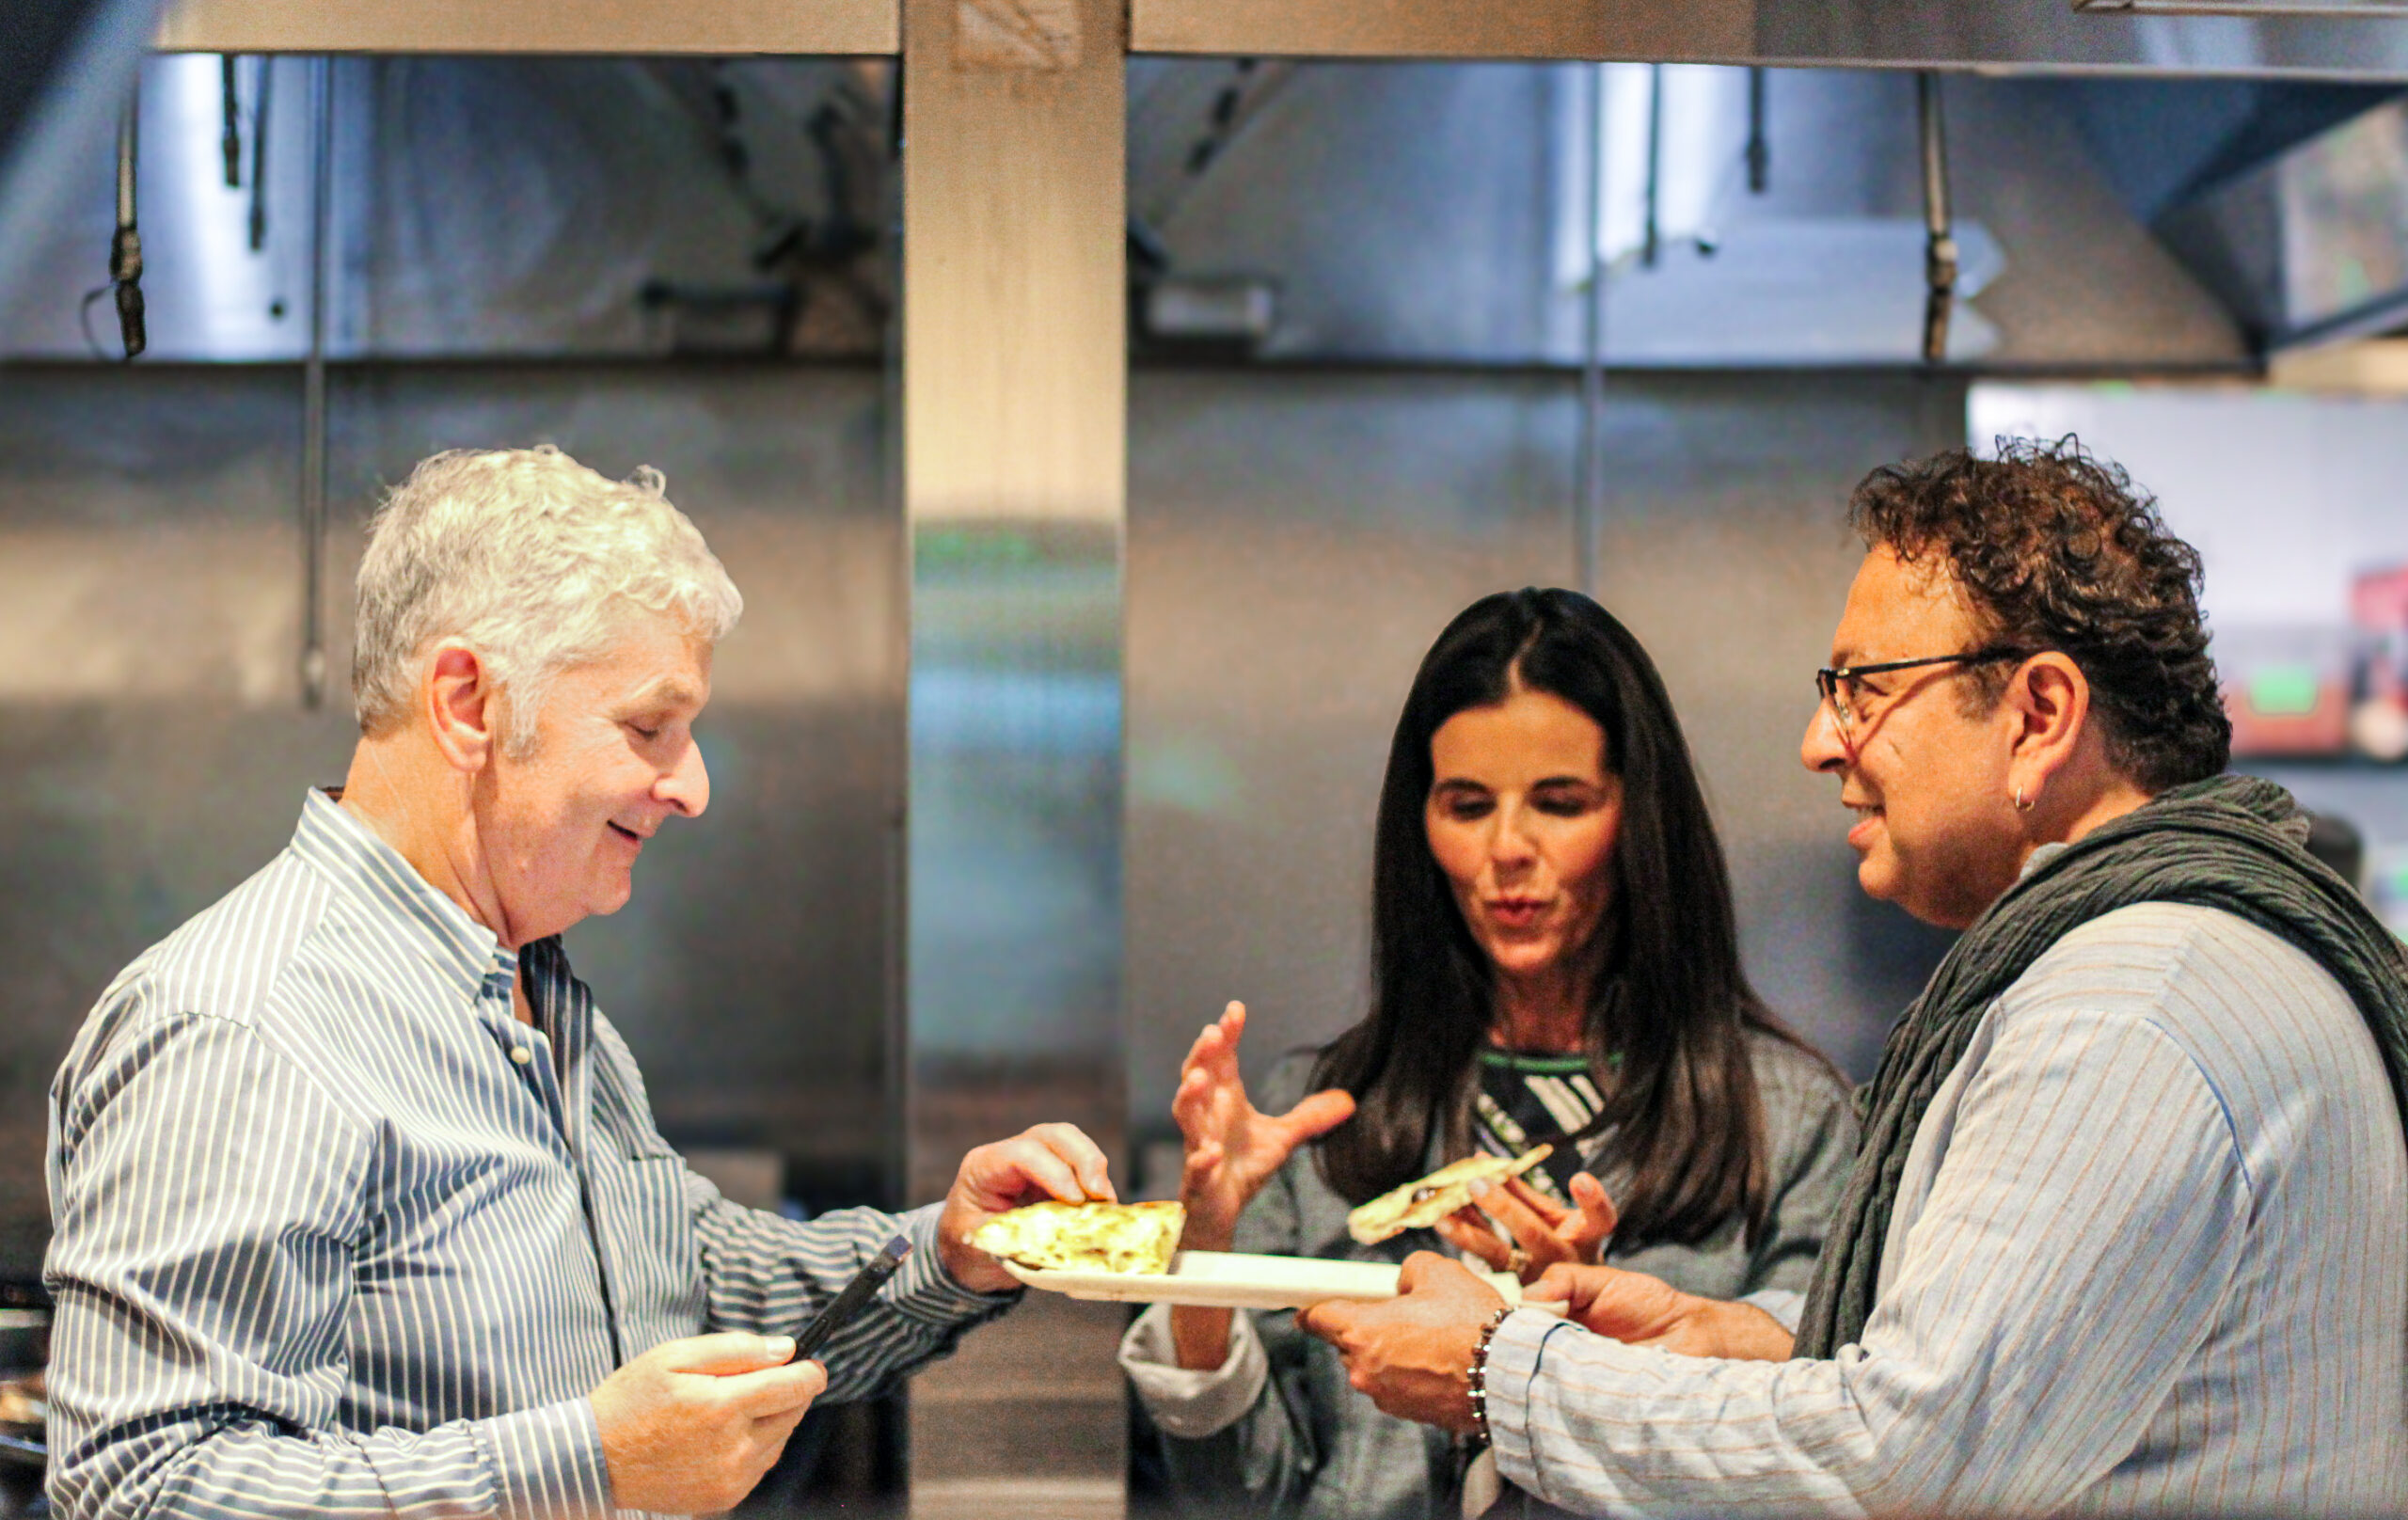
(1265,1459)
(1811,1130)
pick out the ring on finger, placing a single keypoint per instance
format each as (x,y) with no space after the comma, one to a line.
(1517,1261)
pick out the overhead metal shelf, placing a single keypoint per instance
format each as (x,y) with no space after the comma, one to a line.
(2286,38)
(2301,39)
(1529,29)
(716,27)
(2349,10)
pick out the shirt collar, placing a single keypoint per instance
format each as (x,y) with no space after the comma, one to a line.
(2039,858)
(373,873)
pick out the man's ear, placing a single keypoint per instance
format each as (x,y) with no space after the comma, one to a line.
(2051,700)
(462,705)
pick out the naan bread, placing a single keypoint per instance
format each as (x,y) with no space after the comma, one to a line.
(1419,1205)
(1085,1237)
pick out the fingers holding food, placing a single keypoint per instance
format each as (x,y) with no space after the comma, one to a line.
(1056,1160)
(1421,1205)
(1467,1229)
(1069,1143)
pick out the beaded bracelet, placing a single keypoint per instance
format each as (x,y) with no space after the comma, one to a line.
(1479,1373)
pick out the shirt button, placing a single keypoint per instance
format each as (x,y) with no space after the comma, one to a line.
(519,1053)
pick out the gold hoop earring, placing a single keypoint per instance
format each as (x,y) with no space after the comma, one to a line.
(2021,805)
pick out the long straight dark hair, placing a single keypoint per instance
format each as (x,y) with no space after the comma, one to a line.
(1669,1015)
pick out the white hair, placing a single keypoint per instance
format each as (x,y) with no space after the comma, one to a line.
(534,560)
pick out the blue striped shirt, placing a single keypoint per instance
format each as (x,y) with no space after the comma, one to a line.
(334,1233)
(2148,1257)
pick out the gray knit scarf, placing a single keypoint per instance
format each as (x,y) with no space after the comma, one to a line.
(2233,843)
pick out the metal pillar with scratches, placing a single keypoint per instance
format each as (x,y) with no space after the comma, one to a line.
(1014,416)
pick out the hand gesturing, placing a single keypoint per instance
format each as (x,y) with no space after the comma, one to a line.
(1232,1149)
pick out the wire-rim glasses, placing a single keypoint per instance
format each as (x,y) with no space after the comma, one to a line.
(1838,689)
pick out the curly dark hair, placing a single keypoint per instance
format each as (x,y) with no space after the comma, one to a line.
(2059,550)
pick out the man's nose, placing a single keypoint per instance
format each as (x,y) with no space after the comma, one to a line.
(1823,749)
(687,788)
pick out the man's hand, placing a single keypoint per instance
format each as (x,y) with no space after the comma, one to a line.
(1544,1232)
(1413,1354)
(1051,1161)
(690,1426)
(1639,1311)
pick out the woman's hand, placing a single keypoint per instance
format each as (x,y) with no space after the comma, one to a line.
(1231,1151)
(1544,1232)
(1231,1148)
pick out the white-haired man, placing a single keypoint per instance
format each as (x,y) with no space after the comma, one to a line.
(359,1204)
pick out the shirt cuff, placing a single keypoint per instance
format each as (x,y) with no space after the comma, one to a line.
(549,1462)
(1190,1403)
(922,1290)
(1783,1303)
(1515,1352)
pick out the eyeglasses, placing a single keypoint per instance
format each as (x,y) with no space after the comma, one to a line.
(1842,690)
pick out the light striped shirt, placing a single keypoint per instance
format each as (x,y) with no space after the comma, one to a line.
(336,1234)
(2150,1253)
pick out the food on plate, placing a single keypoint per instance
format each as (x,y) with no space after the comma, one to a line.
(1419,1205)
(1085,1237)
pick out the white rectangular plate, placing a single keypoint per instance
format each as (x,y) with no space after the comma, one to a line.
(1233,1280)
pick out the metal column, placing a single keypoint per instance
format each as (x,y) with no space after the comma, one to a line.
(1014,409)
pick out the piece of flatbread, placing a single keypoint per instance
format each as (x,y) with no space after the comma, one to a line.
(1419,1205)
(1085,1237)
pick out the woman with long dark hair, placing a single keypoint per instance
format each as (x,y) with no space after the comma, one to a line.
(1555,959)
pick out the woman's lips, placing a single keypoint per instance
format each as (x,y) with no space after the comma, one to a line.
(1861,836)
(1515,912)
(633,838)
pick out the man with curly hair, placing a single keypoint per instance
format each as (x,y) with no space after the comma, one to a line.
(2127,1230)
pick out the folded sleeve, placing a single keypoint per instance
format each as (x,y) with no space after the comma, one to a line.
(1190,1403)
(2091,1165)
(1243,1438)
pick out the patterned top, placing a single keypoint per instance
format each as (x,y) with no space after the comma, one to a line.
(2147,1256)
(336,1234)
(1526,1100)
(1276,1432)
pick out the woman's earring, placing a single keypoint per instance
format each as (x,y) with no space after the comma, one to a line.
(2021,805)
